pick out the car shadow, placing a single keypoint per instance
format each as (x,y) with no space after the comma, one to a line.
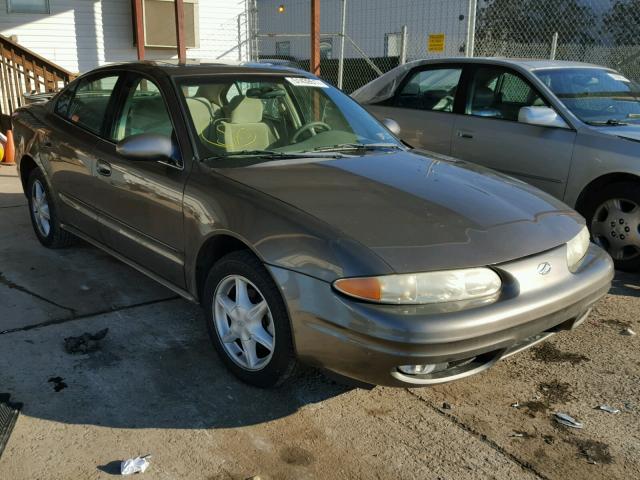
(626,284)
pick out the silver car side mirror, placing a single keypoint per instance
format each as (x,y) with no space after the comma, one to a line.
(146,147)
(392,126)
(543,116)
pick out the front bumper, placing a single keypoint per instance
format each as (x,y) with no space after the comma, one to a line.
(368,342)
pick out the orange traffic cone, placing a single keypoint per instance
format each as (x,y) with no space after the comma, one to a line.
(9,151)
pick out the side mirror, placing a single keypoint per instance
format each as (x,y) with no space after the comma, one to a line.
(543,116)
(146,147)
(392,125)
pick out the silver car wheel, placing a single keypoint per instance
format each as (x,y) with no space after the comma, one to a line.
(616,228)
(243,322)
(40,208)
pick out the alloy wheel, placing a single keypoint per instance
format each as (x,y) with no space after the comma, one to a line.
(243,322)
(40,208)
(616,228)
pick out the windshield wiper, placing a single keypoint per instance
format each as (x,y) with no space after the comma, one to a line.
(269,154)
(357,146)
(612,122)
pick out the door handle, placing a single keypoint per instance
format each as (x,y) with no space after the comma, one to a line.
(104,169)
(462,134)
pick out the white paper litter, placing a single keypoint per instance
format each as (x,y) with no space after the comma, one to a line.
(628,332)
(134,465)
(306,82)
(608,409)
(567,420)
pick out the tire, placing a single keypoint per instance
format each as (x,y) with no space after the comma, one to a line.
(613,217)
(231,318)
(48,231)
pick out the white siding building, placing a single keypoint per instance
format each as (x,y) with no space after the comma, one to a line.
(80,35)
(374,25)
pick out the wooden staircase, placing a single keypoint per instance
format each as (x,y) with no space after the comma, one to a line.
(23,72)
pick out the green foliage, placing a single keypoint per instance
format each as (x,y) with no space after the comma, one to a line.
(622,22)
(535,21)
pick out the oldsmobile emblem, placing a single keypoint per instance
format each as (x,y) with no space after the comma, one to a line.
(544,268)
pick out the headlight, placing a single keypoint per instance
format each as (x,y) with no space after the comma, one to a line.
(420,288)
(577,248)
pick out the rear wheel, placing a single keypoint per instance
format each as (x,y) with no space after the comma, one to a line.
(613,216)
(44,213)
(247,321)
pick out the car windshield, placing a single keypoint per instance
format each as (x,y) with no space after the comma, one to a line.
(280,116)
(595,95)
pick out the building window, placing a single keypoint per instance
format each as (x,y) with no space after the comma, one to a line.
(283,49)
(392,44)
(28,6)
(326,47)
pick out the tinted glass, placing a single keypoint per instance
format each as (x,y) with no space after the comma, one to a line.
(89,105)
(144,112)
(595,94)
(499,93)
(64,101)
(289,115)
(433,90)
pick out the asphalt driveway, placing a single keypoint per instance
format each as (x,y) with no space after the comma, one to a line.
(155,387)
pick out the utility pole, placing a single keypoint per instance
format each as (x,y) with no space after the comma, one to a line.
(182,49)
(137,15)
(343,33)
(314,65)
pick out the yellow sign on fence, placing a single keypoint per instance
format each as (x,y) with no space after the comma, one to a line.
(435,43)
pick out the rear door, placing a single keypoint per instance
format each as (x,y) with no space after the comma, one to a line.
(141,201)
(76,145)
(423,106)
(488,131)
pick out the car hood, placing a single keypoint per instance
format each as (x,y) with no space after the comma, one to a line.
(630,132)
(419,213)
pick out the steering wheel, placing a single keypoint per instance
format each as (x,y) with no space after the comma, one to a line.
(311,126)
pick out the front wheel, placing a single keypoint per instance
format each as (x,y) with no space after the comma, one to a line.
(613,216)
(247,321)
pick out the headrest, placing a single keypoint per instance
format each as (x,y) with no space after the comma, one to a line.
(212,92)
(245,110)
(483,97)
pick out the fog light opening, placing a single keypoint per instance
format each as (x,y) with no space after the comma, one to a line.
(417,369)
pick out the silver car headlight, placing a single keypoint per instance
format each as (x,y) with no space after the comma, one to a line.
(422,288)
(577,248)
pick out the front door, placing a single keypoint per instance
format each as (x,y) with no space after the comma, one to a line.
(141,211)
(423,107)
(489,133)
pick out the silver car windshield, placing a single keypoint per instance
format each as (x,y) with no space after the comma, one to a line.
(277,115)
(595,95)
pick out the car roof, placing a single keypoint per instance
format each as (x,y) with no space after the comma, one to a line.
(202,67)
(526,63)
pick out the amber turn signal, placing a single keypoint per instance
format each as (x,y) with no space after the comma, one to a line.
(364,288)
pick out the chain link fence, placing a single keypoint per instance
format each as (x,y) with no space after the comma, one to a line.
(370,37)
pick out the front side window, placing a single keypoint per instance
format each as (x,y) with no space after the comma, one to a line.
(288,115)
(28,6)
(144,112)
(89,105)
(500,93)
(595,95)
(432,90)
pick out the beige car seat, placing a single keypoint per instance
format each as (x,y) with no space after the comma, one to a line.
(202,115)
(246,130)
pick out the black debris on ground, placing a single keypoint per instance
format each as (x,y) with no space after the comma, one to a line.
(8,416)
(85,343)
(58,383)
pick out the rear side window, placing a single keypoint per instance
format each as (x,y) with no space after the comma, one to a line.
(88,106)
(433,90)
(499,93)
(64,100)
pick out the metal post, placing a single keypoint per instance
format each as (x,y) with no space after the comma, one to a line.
(403,45)
(554,45)
(314,64)
(182,49)
(240,37)
(471,28)
(344,31)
